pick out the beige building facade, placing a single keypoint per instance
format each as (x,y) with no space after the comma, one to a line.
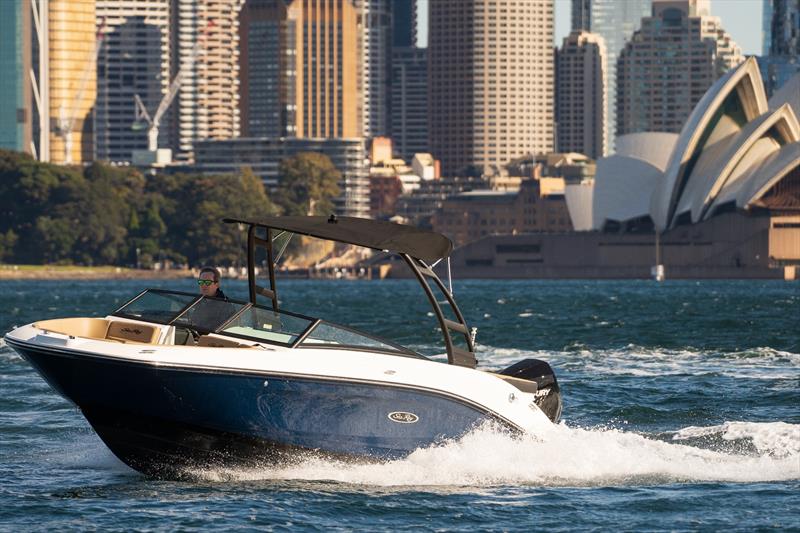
(490,81)
(581,94)
(72,76)
(669,64)
(327,68)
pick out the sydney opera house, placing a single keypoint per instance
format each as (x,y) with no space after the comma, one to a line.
(720,199)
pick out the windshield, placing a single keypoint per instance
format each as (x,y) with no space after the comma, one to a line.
(259,323)
(156,306)
(208,314)
(244,320)
(334,336)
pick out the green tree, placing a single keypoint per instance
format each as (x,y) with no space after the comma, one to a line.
(308,183)
(7,242)
(197,231)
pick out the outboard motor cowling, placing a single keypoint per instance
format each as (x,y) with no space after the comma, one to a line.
(548,393)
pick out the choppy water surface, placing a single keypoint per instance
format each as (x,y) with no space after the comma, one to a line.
(681,411)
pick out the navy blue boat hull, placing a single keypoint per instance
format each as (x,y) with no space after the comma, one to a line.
(165,421)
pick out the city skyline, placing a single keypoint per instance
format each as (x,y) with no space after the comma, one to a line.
(740,18)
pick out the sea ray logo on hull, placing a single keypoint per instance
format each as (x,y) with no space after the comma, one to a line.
(403,418)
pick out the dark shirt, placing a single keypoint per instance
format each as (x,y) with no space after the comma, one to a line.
(208,314)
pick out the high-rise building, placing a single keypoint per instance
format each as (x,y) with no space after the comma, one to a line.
(375,48)
(134,60)
(327,68)
(409,99)
(780,59)
(766,27)
(404,23)
(300,73)
(72,79)
(615,21)
(669,64)
(581,94)
(491,81)
(207,105)
(784,36)
(268,70)
(16,112)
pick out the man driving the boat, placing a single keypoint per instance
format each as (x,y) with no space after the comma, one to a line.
(208,281)
(208,314)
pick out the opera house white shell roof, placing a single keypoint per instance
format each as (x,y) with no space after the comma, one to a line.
(734,147)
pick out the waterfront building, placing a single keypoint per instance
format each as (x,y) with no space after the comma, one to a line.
(729,246)
(721,199)
(409,100)
(581,94)
(263,155)
(472,215)
(268,33)
(420,205)
(16,100)
(744,152)
(614,21)
(207,105)
(780,59)
(668,65)
(374,50)
(134,60)
(491,81)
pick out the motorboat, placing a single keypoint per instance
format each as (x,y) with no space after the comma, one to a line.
(173,381)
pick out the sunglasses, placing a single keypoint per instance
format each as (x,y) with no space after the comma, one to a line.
(204,282)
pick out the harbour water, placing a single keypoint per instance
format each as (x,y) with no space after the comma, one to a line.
(681,411)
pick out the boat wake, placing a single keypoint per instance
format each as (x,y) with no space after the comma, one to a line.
(633,360)
(731,452)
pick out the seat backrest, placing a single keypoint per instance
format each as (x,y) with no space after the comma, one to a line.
(216,342)
(121,331)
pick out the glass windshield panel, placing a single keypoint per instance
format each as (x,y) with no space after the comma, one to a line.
(156,307)
(330,334)
(208,314)
(265,324)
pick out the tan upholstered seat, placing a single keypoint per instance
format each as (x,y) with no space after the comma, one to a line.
(92,328)
(216,342)
(132,332)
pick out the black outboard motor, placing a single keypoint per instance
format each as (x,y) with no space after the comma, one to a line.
(548,394)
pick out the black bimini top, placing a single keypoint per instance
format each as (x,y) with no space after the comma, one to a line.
(379,235)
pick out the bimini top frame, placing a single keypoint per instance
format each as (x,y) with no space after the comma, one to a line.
(417,247)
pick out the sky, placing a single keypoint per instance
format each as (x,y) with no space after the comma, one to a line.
(740,18)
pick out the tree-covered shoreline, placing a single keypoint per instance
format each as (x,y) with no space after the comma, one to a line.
(105,215)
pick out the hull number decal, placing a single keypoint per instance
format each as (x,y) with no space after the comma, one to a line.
(403,418)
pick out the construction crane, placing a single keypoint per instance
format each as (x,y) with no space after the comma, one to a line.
(143,118)
(66,121)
